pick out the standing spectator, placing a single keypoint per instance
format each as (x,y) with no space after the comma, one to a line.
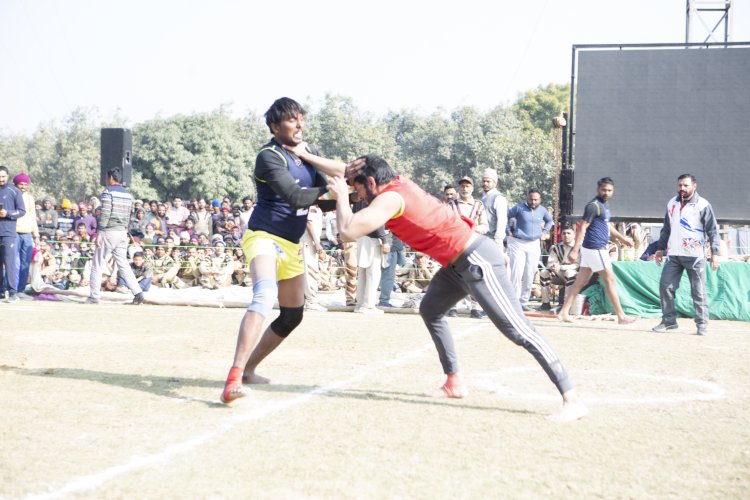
(560,270)
(159,220)
(27,230)
(329,224)
(592,240)
(11,209)
(177,215)
(533,222)
(137,225)
(449,193)
(65,218)
(496,206)
(393,258)
(112,238)
(370,253)
(87,219)
(245,212)
(287,182)
(466,206)
(310,249)
(689,224)
(202,218)
(470,265)
(47,218)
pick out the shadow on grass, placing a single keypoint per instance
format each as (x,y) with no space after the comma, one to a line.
(169,387)
(161,386)
(380,395)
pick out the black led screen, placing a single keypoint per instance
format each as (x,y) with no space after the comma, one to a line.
(645,116)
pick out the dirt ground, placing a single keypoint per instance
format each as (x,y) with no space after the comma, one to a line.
(116,401)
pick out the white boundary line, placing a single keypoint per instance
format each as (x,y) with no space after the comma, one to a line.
(707,391)
(92,481)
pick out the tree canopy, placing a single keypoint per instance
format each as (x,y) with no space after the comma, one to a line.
(212,154)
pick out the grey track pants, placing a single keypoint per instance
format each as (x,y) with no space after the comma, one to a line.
(481,272)
(670,282)
(115,243)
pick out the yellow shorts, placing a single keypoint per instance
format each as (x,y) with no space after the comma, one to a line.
(289,260)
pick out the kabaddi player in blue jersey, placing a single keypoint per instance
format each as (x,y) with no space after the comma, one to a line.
(592,239)
(288,180)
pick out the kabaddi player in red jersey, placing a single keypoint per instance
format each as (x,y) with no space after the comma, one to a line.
(472,264)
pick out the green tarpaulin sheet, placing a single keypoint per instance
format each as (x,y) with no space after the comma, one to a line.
(638,287)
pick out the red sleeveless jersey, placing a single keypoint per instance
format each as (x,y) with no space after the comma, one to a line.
(427,224)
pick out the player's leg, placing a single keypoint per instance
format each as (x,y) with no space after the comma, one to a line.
(610,287)
(583,277)
(291,308)
(483,270)
(444,291)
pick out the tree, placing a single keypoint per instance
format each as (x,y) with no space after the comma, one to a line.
(202,155)
(536,108)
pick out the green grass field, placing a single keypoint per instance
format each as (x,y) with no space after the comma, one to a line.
(113,401)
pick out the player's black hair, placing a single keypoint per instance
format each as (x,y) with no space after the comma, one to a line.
(281,109)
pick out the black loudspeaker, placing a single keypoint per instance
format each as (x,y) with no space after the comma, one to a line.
(117,147)
(566,191)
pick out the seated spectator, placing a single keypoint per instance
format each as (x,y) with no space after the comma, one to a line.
(141,270)
(190,227)
(224,223)
(216,268)
(83,233)
(47,261)
(560,270)
(417,275)
(188,273)
(150,237)
(163,267)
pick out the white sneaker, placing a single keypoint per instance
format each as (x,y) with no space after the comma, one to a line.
(316,307)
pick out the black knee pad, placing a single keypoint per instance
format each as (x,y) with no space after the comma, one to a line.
(287,321)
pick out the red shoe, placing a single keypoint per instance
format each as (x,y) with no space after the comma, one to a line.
(453,387)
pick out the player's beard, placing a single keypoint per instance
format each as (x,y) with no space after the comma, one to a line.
(369,194)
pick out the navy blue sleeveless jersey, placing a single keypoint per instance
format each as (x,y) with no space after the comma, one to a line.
(597,214)
(286,186)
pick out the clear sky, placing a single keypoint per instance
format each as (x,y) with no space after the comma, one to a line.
(148,58)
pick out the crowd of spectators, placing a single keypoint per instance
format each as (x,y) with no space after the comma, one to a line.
(177,244)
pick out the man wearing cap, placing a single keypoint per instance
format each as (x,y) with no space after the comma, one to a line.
(466,206)
(524,247)
(27,231)
(496,207)
(87,219)
(12,208)
(64,219)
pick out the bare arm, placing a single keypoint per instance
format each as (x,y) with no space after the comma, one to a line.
(622,238)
